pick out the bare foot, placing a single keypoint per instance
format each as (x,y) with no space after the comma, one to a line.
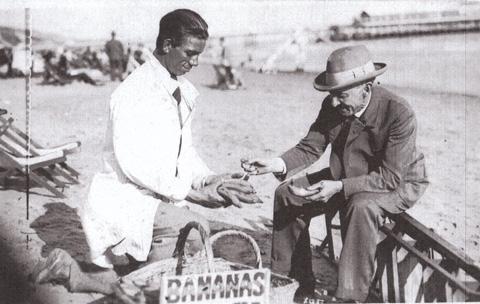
(56,268)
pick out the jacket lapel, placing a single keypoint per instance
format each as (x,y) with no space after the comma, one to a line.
(355,128)
(367,120)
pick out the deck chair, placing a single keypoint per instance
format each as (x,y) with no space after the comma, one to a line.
(414,264)
(48,166)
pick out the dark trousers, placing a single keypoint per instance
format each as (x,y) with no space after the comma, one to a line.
(360,216)
(116,69)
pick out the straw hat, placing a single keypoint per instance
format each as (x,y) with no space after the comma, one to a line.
(348,67)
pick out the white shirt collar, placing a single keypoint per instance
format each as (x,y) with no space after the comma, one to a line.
(162,73)
(358,114)
(189,93)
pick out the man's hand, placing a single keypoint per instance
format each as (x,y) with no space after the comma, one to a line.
(211,179)
(238,191)
(207,196)
(224,190)
(321,191)
(262,166)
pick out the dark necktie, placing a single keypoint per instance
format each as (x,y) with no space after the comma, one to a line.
(177,94)
(339,143)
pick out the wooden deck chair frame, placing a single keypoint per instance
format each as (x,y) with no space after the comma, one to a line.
(45,165)
(445,265)
(18,138)
(39,170)
(435,255)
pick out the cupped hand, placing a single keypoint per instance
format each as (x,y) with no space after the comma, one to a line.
(321,191)
(325,189)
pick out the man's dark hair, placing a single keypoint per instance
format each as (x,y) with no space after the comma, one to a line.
(178,24)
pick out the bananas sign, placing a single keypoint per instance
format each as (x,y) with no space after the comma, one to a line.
(233,287)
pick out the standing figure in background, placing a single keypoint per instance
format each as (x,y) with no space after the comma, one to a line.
(227,77)
(114,50)
(6,58)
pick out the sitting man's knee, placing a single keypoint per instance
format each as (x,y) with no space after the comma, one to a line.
(363,203)
(282,192)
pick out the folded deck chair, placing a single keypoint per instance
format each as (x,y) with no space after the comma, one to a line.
(38,171)
(48,166)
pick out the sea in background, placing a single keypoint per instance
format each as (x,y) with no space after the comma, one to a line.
(441,63)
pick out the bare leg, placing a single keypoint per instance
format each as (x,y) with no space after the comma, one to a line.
(60,267)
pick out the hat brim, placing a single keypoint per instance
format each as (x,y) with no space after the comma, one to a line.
(320,81)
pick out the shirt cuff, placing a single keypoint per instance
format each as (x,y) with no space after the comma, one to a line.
(198,182)
(179,190)
(281,175)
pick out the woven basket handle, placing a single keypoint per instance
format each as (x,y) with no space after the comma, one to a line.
(244,236)
(180,246)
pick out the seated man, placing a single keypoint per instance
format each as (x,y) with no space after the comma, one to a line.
(375,169)
(150,164)
(60,73)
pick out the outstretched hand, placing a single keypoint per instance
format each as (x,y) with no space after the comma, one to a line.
(211,179)
(262,166)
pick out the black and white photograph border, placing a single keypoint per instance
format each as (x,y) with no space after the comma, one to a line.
(257,99)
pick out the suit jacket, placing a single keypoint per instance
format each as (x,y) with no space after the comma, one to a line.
(380,153)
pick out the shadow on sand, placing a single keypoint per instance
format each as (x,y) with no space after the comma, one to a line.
(60,227)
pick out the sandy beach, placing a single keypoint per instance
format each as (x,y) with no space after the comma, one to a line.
(267,117)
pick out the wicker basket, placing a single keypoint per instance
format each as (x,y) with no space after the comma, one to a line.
(132,288)
(282,288)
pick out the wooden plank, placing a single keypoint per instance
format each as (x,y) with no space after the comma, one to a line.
(20,133)
(42,182)
(60,171)
(14,162)
(48,173)
(425,260)
(72,171)
(409,275)
(420,232)
(5,126)
(19,151)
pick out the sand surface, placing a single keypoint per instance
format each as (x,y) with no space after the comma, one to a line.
(268,117)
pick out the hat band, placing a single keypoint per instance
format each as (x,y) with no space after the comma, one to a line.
(349,75)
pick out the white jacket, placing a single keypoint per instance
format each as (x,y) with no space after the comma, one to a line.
(142,162)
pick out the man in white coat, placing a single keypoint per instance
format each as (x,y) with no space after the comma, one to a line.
(150,163)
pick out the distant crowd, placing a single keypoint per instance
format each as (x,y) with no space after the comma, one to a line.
(64,65)
(67,64)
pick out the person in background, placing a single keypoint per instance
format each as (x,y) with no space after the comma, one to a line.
(139,53)
(226,76)
(115,53)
